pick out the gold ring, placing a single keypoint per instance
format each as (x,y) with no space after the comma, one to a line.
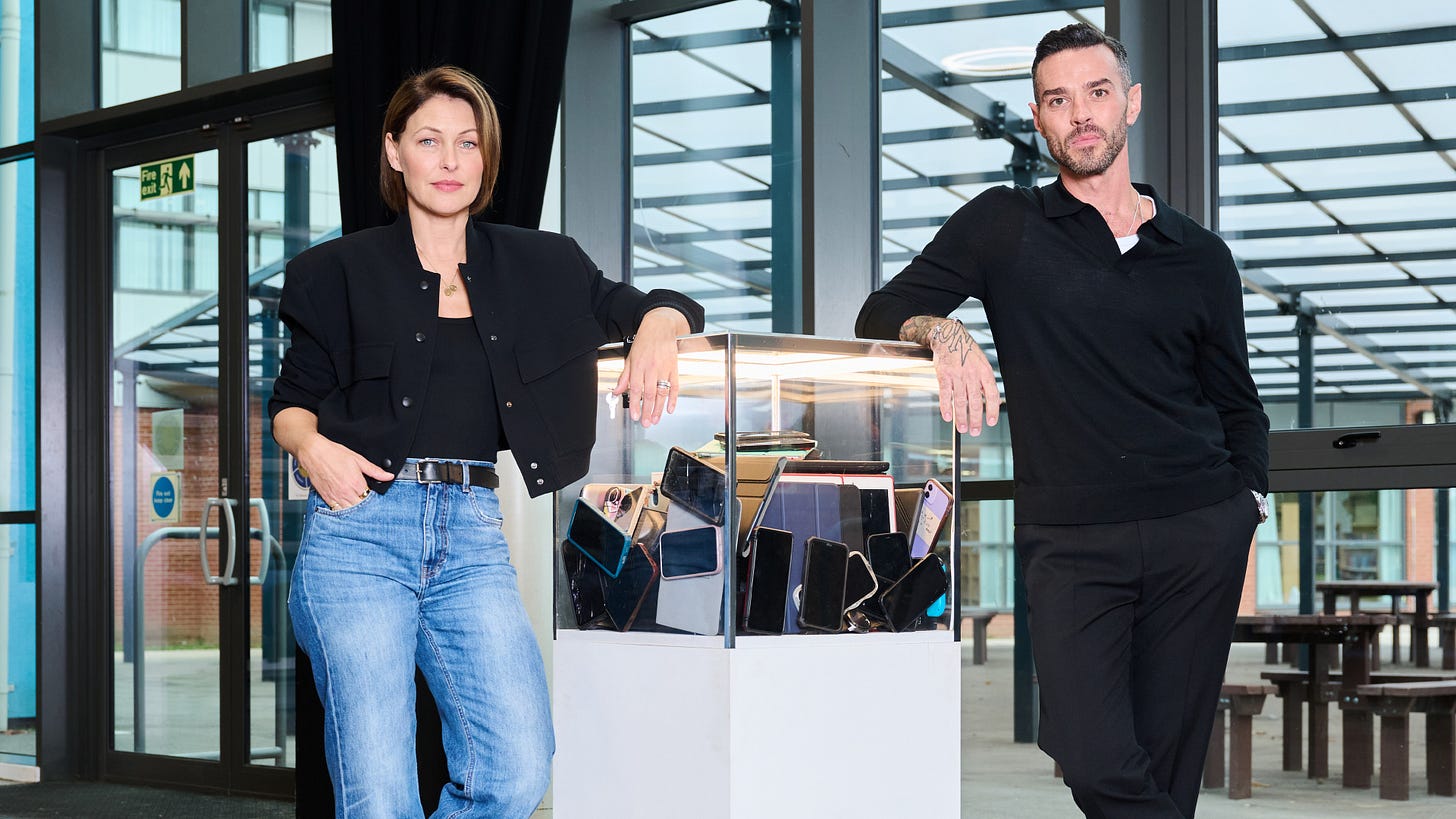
(363,495)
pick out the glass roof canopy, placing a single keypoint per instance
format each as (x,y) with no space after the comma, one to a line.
(1337,184)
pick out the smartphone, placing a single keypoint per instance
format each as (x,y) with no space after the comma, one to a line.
(821,600)
(650,523)
(597,538)
(889,555)
(584,581)
(629,595)
(619,503)
(859,582)
(931,514)
(694,484)
(690,552)
(906,601)
(768,581)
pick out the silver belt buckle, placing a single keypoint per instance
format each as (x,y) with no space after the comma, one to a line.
(419,475)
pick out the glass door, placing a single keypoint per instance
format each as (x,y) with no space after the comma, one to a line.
(205,513)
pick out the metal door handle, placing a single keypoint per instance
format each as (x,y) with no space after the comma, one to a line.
(226,578)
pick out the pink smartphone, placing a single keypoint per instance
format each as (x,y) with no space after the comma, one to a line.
(931,514)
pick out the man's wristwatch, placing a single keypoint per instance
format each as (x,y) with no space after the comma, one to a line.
(1263,501)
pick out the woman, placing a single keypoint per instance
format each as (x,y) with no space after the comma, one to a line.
(419,351)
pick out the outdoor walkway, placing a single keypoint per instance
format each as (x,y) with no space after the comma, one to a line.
(1001,779)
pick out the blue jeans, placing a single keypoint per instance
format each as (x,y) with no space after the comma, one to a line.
(422,576)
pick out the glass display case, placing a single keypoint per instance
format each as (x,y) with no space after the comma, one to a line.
(664,554)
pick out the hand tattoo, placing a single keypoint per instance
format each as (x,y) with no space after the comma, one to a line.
(946,334)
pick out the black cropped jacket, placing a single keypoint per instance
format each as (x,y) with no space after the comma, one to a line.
(363,314)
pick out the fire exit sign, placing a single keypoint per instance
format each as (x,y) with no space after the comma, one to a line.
(168,177)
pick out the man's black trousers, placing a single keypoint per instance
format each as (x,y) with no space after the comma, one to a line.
(1130,629)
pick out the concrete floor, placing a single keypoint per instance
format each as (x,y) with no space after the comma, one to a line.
(1002,779)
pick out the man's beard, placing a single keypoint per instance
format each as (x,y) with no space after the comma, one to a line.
(1089,161)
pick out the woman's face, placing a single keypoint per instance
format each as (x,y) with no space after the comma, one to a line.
(438,151)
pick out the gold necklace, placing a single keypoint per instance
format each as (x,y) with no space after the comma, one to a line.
(454,285)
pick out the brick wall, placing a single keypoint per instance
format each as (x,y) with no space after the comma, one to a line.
(180,609)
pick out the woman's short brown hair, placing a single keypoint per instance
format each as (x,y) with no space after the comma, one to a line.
(416,90)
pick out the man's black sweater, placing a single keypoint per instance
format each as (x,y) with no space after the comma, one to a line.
(1126,375)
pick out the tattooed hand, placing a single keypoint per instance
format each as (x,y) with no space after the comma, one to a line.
(967,384)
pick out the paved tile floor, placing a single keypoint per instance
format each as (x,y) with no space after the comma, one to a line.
(1004,780)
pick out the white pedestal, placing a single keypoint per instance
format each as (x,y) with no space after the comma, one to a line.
(844,726)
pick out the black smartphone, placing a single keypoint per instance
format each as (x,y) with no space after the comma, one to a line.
(584,582)
(821,601)
(875,507)
(859,582)
(690,552)
(768,581)
(629,594)
(695,484)
(906,601)
(597,538)
(889,554)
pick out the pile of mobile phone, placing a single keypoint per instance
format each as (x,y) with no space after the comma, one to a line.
(822,553)
(650,559)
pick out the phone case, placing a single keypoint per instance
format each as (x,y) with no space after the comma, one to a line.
(693,552)
(584,581)
(691,604)
(931,514)
(610,564)
(859,583)
(625,512)
(821,601)
(905,602)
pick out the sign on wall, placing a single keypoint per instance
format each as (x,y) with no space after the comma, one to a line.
(168,177)
(165,497)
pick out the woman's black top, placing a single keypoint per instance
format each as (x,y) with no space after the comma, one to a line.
(365,320)
(458,419)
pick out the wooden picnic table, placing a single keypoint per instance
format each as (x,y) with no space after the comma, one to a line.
(1396,590)
(1356,634)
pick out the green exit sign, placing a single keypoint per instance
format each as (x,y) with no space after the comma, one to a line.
(168,177)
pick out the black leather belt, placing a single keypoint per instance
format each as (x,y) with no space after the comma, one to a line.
(445,472)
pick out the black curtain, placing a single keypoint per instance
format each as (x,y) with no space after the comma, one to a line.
(516,47)
(518,50)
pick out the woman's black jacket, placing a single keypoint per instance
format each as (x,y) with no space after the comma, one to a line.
(363,313)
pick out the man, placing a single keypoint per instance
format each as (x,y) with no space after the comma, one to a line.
(1140,443)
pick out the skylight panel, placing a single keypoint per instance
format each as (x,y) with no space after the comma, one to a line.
(1362,171)
(1320,129)
(1302,75)
(1248,22)
(1350,17)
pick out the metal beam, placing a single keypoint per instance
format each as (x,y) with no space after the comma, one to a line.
(637,11)
(981,11)
(701,199)
(1338,152)
(1363,284)
(1334,230)
(1408,189)
(1322,45)
(946,180)
(708,39)
(702,155)
(1238,109)
(1393,329)
(1358,258)
(929,79)
(716,103)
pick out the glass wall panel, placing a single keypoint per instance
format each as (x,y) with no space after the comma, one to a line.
(17,461)
(287,31)
(935,158)
(1337,195)
(701,169)
(293,197)
(141,49)
(17,73)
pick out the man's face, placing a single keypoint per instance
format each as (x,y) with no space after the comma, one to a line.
(1082,110)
